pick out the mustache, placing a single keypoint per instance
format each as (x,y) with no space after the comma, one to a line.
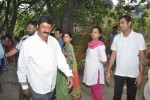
(46,32)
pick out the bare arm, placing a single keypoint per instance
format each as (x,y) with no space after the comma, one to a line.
(139,79)
(111,62)
(11,52)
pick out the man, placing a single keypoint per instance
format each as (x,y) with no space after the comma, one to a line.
(38,60)
(32,27)
(58,36)
(126,48)
(114,33)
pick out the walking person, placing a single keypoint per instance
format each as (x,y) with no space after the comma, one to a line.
(94,70)
(62,92)
(126,48)
(31,28)
(39,58)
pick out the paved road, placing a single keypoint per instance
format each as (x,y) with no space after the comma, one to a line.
(11,88)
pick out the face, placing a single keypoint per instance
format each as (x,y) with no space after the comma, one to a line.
(57,35)
(44,30)
(31,29)
(95,34)
(124,25)
(67,38)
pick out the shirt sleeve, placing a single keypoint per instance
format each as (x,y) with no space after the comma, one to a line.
(22,66)
(61,62)
(114,44)
(102,53)
(18,46)
(142,44)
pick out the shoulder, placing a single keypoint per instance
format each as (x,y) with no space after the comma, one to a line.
(138,36)
(24,37)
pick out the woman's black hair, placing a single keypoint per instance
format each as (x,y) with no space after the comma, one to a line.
(69,33)
(99,29)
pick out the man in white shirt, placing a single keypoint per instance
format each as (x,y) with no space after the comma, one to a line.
(38,60)
(31,28)
(127,48)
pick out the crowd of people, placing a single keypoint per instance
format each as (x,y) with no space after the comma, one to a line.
(47,64)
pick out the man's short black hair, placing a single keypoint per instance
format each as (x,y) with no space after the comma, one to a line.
(59,29)
(33,23)
(44,18)
(126,17)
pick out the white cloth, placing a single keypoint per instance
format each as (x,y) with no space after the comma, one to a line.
(1,51)
(18,46)
(93,60)
(127,53)
(39,60)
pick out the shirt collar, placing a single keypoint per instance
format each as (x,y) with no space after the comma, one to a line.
(131,33)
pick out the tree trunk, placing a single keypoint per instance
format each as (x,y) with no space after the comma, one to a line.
(14,18)
(67,23)
(6,20)
(55,17)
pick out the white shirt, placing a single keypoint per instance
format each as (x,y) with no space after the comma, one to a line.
(18,46)
(93,64)
(39,60)
(127,53)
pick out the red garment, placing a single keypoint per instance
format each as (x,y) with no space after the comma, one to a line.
(8,48)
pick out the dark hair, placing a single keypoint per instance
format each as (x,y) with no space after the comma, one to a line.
(70,35)
(44,18)
(33,23)
(99,29)
(126,17)
(59,29)
(115,27)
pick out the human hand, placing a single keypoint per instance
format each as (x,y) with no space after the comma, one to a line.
(26,92)
(138,80)
(70,82)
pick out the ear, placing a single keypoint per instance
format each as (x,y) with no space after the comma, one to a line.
(70,39)
(99,35)
(130,23)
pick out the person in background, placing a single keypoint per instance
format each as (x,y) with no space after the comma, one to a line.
(62,92)
(31,28)
(58,36)
(1,56)
(126,48)
(8,44)
(39,58)
(94,69)
(114,33)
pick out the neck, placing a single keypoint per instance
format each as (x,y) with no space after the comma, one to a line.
(126,33)
(67,43)
(95,39)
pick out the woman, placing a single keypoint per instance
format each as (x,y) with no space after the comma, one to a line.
(62,93)
(95,58)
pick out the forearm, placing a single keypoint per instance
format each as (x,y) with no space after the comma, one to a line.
(111,62)
(12,52)
(141,66)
